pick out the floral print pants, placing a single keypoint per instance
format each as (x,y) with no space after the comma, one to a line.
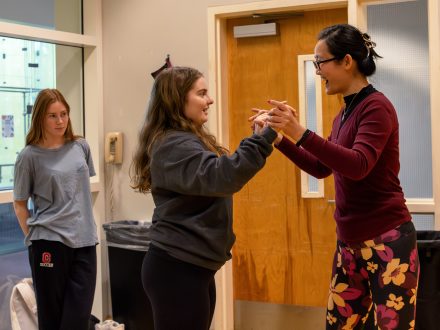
(382,274)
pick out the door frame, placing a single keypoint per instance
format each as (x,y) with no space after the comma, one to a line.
(217,17)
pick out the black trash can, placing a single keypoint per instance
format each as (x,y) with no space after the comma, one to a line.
(428,293)
(127,243)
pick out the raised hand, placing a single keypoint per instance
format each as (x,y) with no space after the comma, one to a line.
(284,117)
(259,120)
(258,113)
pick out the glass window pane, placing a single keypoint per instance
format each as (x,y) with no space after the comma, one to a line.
(423,221)
(11,236)
(58,15)
(14,260)
(401,33)
(26,67)
(311,115)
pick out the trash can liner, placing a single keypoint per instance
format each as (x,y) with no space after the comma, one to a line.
(428,239)
(127,244)
(128,234)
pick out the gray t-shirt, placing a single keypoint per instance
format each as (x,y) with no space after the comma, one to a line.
(57,181)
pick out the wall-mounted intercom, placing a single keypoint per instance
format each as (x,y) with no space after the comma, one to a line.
(113,147)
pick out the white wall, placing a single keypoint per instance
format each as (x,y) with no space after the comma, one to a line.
(137,36)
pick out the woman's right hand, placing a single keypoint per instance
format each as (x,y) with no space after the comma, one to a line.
(22,213)
(285,118)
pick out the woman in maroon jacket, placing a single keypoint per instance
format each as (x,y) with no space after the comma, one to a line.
(376,262)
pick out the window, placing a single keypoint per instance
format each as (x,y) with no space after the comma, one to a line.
(11,236)
(310,108)
(403,76)
(58,15)
(26,67)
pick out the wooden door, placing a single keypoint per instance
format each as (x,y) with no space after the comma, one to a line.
(285,243)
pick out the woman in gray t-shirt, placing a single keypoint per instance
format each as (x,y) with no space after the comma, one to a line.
(53,170)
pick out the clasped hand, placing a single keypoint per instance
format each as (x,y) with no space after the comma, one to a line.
(282,117)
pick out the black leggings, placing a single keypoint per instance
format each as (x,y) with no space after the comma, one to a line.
(182,295)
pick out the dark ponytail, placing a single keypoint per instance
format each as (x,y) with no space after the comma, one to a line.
(343,39)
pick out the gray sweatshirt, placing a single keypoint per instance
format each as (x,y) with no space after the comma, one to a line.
(192,189)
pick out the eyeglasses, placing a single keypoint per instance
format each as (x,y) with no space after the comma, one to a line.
(317,64)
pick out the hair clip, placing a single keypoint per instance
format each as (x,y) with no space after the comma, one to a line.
(368,43)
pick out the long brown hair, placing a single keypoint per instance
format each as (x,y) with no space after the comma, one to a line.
(44,99)
(166,113)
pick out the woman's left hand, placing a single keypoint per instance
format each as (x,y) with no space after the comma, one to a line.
(259,121)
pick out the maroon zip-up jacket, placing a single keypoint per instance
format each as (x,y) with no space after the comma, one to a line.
(363,155)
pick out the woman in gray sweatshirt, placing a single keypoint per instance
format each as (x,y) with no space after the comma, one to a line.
(192,179)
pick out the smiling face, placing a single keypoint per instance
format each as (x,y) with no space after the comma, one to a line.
(198,102)
(337,73)
(55,122)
